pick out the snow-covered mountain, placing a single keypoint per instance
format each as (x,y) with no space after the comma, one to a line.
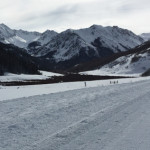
(64,46)
(22,38)
(115,38)
(93,42)
(136,63)
(145,36)
(71,47)
(5,32)
(44,38)
(19,38)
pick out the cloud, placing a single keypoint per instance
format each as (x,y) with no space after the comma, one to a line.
(59,15)
(65,10)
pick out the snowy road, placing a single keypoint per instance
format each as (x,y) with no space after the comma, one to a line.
(101,118)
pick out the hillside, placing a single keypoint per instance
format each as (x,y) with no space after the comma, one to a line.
(135,60)
(136,63)
(16,60)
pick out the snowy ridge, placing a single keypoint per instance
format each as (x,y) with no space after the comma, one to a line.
(64,46)
(22,38)
(46,36)
(114,37)
(5,33)
(19,38)
(96,41)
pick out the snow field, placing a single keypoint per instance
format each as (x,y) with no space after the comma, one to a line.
(32,90)
(104,117)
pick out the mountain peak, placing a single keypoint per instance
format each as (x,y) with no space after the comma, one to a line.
(3,26)
(69,31)
(94,26)
(49,31)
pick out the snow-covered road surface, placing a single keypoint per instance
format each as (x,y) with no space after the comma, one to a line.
(99,118)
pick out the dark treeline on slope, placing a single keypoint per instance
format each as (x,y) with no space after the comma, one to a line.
(98,63)
(147,73)
(16,60)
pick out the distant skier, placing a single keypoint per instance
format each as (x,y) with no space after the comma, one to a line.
(85,84)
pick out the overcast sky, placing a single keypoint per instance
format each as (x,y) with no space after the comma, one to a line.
(59,15)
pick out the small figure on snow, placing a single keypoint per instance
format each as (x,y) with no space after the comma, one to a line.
(85,84)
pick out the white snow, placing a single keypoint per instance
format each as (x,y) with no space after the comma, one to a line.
(109,72)
(24,77)
(113,117)
(32,90)
(50,74)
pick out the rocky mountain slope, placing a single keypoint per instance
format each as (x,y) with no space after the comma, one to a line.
(145,36)
(73,47)
(96,41)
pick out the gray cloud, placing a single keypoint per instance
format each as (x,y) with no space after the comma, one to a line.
(64,10)
(60,12)
(59,15)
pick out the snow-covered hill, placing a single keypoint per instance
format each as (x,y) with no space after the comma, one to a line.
(136,63)
(22,38)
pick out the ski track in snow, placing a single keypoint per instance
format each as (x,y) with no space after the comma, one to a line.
(106,118)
